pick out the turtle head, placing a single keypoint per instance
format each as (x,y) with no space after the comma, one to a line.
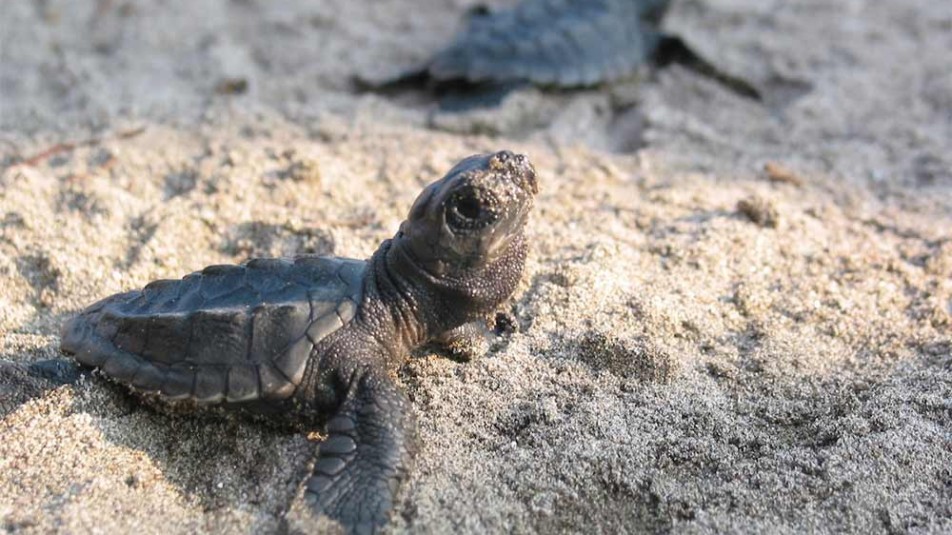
(469,218)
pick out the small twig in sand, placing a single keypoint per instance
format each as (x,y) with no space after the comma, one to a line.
(66,147)
(778,173)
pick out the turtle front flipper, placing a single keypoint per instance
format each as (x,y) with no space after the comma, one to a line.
(673,49)
(467,342)
(364,460)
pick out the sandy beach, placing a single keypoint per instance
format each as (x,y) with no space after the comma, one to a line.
(736,315)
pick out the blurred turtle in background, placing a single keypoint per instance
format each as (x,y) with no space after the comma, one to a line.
(554,43)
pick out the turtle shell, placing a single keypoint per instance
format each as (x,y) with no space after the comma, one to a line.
(553,42)
(226,333)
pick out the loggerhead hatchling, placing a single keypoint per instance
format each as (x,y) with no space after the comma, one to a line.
(315,340)
(556,43)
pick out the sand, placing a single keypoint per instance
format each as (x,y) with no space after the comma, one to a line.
(704,346)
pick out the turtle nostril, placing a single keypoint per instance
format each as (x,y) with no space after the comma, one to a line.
(501,160)
(531,181)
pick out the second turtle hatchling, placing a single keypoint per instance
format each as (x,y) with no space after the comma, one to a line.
(554,43)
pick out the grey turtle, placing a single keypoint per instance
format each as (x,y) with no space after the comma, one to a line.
(315,340)
(558,43)
(564,43)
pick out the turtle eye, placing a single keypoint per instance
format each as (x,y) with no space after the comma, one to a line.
(468,210)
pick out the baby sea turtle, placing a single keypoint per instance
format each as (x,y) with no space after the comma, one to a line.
(315,340)
(557,43)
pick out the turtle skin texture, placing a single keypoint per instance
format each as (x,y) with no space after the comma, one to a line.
(316,340)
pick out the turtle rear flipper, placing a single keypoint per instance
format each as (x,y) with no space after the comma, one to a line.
(364,460)
(673,49)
